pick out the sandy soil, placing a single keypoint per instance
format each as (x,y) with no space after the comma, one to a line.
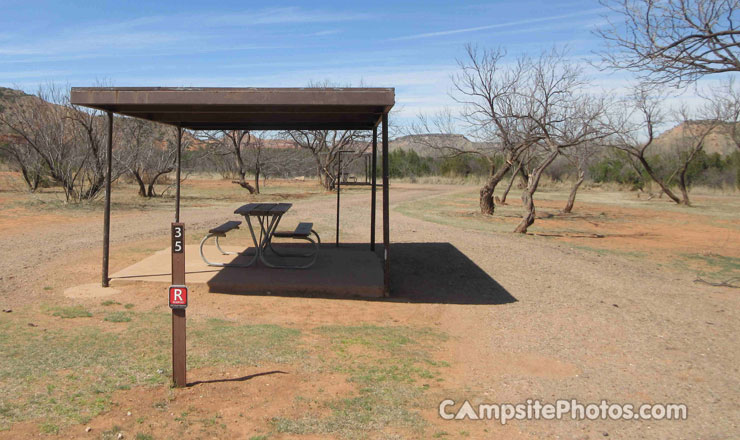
(529,318)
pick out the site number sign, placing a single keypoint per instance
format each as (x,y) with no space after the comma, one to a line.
(178,297)
(178,237)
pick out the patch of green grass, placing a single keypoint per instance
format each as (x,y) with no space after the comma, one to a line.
(714,266)
(142,436)
(48,288)
(118,317)
(391,367)
(66,376)
(71,312)
(600,251)
(49,428)
(36,368)
(258,437)
(128,306)
(110,302)
(225,342)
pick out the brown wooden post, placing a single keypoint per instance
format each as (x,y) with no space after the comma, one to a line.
(179,350)
(386,212)
(179,347)
(106,215)
(373,173)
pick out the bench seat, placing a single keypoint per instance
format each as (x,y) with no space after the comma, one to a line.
(224,228)
(303,230)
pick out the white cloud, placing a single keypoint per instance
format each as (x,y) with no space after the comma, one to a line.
(500,25)
(186,33)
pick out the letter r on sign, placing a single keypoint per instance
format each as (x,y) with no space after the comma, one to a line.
(178,297)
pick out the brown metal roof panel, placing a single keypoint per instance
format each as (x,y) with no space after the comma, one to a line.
(104,97)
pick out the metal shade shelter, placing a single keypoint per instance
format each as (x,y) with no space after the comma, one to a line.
(249,109)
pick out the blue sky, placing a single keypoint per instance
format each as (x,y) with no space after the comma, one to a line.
(410,45)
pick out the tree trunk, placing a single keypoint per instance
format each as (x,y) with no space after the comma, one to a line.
(574,189)
(528,195)
(244,184)
(529,212)
(32,179)
(682,185)
(487,206)
(511,182)
(140,181)
(657,180)
(682,173)
(243,180)
(257,181)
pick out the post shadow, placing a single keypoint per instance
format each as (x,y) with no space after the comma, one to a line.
(235,379)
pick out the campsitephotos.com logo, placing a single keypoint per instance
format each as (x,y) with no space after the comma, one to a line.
(561,409)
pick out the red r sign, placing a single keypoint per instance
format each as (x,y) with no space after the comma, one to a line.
(178,297)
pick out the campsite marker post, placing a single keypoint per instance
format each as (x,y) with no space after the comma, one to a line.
(178,301)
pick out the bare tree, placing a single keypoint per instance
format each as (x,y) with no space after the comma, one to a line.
(520,171)
(25,159)
(725,103)
(235,142)
(495,109)
(67,140)
(564,117)
(579,156)
(325,147)
(90,131)
(634,131)
(672,41)
(146,153)
(694,133)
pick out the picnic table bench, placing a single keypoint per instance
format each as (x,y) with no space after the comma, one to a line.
(268,217)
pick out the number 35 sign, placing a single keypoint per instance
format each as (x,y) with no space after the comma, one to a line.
(177,238)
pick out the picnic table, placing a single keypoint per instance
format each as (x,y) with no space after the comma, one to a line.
(268,217)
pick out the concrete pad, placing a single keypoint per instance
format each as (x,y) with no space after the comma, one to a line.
(337,272)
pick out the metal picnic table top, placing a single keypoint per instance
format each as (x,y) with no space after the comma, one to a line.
(263,209)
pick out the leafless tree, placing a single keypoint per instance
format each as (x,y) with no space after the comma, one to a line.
(257,159)
(563,115)
(521,166)
(90,132)
(725,103)
(325,147)
(146,152)
(579,156)
(634,130)
(234,143)
(695,131)
(672,41)
(634,127)
(68,140)
(495,110)
(25,159)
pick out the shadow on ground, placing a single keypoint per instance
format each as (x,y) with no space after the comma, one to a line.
(420,272)
(440,273)
(235,379)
